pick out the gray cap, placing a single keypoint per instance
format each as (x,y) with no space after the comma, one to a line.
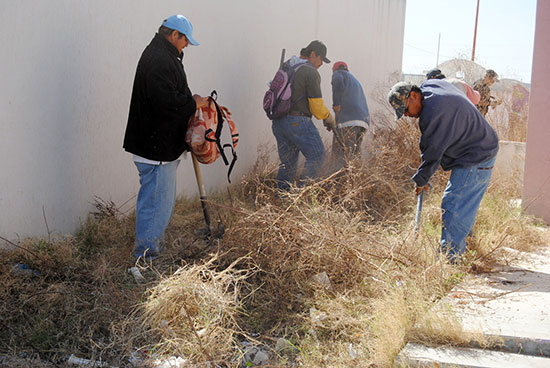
(397,97)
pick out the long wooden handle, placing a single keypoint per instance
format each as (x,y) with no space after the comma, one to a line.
(202,192)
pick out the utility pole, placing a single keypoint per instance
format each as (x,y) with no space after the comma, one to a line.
(475,33)
(438,43)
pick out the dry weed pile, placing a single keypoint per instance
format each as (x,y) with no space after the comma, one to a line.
(60,297)
(191,313)
(334,267)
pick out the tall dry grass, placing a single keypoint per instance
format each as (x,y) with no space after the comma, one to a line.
(73,293)
(334,267)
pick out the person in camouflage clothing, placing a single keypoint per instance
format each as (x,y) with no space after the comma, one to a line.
(483,86)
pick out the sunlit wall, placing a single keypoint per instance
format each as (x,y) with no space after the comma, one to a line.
(536,189)
(67,69)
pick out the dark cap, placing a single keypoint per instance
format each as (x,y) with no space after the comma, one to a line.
(435,74)
(318,47)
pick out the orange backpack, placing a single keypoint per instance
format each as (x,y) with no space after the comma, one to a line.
(204,134)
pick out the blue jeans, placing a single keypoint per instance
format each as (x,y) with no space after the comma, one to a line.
(295,134)
(351,137)
(155,206)
(461,200)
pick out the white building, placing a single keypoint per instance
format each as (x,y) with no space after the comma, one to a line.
(66,75)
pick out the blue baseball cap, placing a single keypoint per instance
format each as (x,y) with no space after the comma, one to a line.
(181,24)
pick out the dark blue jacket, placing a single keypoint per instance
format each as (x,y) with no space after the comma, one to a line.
(454,133)
(348,94)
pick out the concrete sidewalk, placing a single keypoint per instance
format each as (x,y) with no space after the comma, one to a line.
(511,304)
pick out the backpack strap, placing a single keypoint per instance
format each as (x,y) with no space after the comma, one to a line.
(217,135)
(233,160)
(295,69)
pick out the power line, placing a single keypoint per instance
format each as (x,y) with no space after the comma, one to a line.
(426,51)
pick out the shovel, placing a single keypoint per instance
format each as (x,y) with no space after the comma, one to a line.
(217,233)
(419,201)
(339,139)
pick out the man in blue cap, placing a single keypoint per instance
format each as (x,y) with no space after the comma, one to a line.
(160,108)
(456,136)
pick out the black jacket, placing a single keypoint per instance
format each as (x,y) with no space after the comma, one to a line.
(161,104)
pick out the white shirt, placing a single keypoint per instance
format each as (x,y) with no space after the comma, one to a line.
(143,160)
(352,123)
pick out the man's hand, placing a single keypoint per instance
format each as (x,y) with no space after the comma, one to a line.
(329,123)
(419,190)
(336,109)
(200,101)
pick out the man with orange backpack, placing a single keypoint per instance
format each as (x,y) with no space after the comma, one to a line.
(160,108)
(295,131)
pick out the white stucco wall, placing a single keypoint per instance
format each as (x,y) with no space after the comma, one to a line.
(66,75)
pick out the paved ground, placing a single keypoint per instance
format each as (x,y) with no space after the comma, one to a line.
(511,304)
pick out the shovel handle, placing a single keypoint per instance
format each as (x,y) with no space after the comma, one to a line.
(339,138)
(202,192)
(282,58)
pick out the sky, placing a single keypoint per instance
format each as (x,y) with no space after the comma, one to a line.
(505,35)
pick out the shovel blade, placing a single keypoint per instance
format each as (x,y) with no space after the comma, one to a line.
(419,201)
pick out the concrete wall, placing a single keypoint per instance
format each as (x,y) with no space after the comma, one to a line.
(66,74)
(510,162)
(536,193)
